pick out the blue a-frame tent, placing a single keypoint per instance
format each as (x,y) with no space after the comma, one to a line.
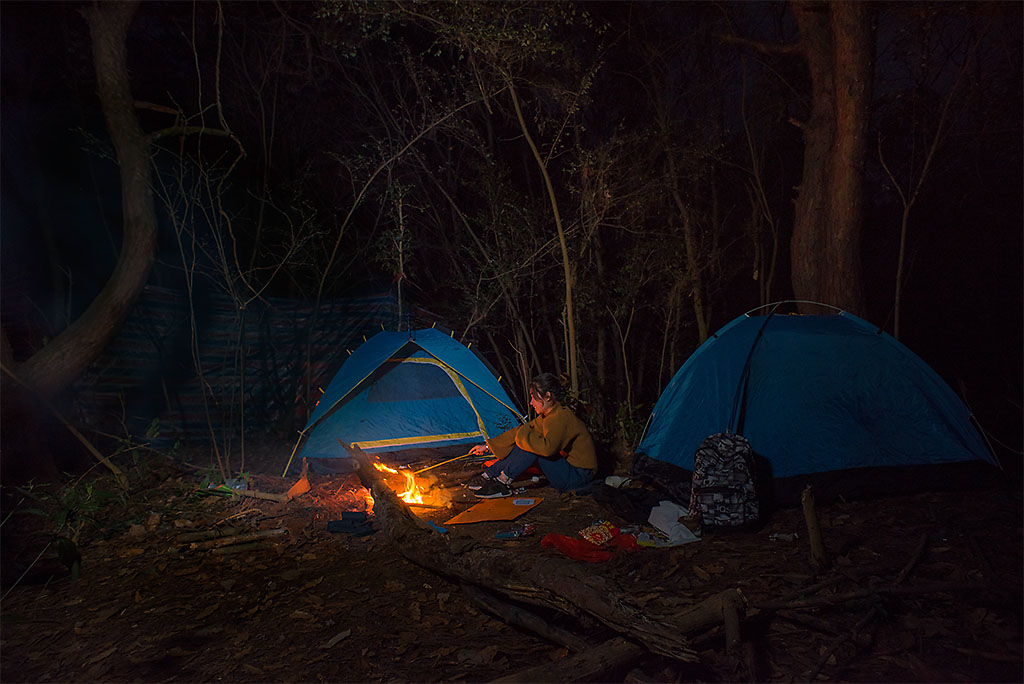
(408,390)
(814,394)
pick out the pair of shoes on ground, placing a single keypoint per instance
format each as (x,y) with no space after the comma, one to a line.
(493,489)
(486,487)
(478,482)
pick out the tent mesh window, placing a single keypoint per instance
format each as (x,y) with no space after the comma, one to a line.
(411,382)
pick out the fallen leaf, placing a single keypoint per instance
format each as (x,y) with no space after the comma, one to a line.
(487,654)
(337,637)
(313,583)
(104,614)
(701,573)
(301,615)
(251,668)
(643,599)
(208,611)
(100,656)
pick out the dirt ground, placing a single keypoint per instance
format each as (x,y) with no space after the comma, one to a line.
(311,605)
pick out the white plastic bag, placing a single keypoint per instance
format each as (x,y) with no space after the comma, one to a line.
(665,517)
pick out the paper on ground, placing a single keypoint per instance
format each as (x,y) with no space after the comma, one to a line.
(665,517)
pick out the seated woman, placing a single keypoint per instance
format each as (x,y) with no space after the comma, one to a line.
(556,440)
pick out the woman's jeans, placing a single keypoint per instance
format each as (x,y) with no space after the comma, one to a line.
(560,473)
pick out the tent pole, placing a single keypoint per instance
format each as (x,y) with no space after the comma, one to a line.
(294,449)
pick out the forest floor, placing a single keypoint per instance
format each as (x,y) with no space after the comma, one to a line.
(923,588)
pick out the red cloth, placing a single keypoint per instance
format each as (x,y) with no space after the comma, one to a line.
(532,470)
(583,550)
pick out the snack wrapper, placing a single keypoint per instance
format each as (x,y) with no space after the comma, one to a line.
(600,533)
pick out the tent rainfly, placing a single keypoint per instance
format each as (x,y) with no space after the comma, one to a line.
(815,394)
(404,390)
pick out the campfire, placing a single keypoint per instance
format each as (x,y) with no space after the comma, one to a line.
(412,494)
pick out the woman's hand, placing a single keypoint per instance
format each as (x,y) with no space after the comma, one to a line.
(479,450)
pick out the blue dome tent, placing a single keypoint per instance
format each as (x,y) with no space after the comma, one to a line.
(821,398)
(408,390)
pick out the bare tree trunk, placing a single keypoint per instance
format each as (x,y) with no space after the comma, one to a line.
(56,365)
(837,43)
(567,269)
(59,362)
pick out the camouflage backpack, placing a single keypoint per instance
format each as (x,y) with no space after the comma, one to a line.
(722,492)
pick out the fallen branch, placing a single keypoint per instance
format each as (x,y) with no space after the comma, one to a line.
(995,657)
(873,613)
(254,494)
(587,666)
(808,621)
(523,618)
(819,557)
(187,537)
(241,548)
(237,539)
(818,601)
(922,544)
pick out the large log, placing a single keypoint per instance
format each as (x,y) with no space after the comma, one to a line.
(551,581)
(527,620)
(587,666)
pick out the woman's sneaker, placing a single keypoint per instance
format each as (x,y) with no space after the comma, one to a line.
(494,489)
(477,481)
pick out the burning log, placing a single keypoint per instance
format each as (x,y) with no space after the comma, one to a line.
(549,581)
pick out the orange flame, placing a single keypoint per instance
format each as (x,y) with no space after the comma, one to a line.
(412,493)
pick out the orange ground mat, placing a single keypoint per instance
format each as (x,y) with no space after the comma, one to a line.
(508,508)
